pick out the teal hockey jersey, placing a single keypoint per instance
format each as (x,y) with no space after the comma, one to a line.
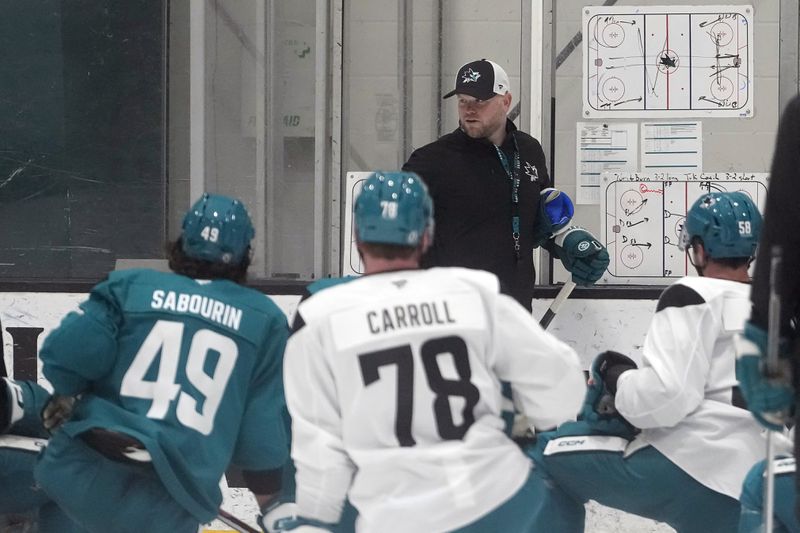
(190,368)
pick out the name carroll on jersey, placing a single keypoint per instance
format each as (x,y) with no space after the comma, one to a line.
(408,316)
(196,304)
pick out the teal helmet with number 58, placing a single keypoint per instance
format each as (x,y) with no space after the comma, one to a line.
(393,208)
(728,223)
(217,229)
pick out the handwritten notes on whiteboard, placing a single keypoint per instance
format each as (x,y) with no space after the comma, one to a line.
(643,213)
(667,61)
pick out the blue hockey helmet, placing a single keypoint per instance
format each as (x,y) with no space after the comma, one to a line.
(393,208)
(728,223)
(217,228)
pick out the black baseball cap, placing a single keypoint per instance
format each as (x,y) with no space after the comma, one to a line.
(482,79)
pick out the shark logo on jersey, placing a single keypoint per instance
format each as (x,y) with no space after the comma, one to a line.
(531,172)
(470,76)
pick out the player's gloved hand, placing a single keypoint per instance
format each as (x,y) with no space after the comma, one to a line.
(769,399)
(599,411)
(11,404)
(305,528)
(610,365)
(581,254)
(298,524)
(555,212)
(275,515)
(56,411)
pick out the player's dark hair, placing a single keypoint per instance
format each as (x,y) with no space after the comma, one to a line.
(727,262)
(388,251)
(733,262)
(180,263)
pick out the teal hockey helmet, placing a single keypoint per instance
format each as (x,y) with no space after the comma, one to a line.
(217,229)
(728,223)
(393,208)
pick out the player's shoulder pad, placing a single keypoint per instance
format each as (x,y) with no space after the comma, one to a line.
(679,294)
(480,279)
(314,288)
(118,280)
(320,303)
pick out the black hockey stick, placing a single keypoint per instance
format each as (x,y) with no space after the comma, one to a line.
(773,372)
(231,521)
(558,301)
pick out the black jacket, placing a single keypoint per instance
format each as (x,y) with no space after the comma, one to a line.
(781,221)
(472,205)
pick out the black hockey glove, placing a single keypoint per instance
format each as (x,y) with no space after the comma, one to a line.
(610,366)
(599,410)
(57,410)
(581,254)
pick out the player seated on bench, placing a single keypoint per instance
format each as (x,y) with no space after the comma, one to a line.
(665,439)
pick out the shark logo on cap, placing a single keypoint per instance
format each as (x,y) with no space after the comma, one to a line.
(470,76)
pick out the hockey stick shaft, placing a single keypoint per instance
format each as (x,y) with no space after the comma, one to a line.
(773,338)
(558,301)
(231,521)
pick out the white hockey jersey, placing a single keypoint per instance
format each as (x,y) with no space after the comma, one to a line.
(681,396)
(394,387)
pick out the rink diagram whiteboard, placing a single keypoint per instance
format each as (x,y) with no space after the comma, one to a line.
(351,261)
(642,217)
(668,61)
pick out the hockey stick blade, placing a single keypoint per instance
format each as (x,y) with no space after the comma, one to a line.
(231,521)
(558,301)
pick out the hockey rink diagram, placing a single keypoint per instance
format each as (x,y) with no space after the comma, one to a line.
(653,62)
(644,214)
(351,264)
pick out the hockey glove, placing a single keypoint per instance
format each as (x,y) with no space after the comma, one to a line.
(57,411)
(769,399)
(610,365)
(11,404)
(599,411)
(581,254)
(555,212)
(298,524)
(276,515)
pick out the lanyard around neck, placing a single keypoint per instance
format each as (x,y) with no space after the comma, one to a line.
(513,176)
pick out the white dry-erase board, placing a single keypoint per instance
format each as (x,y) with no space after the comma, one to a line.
(668,61)
(642,216)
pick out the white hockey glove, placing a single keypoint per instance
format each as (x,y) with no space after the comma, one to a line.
(11,404)
(276,515)
(295,524)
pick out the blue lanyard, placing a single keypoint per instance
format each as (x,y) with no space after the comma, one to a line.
(513,176)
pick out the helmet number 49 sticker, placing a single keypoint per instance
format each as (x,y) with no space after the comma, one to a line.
(210,234)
